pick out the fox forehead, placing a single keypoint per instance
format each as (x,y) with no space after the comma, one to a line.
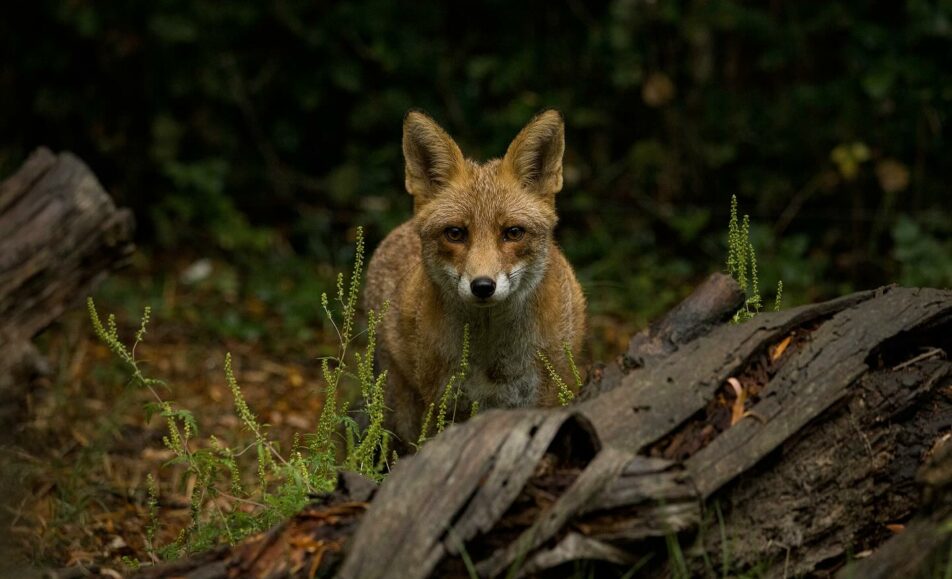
(485,196)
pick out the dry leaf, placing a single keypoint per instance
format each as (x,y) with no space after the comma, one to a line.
(780,348)
(737,408)
(896,528)
(295,378)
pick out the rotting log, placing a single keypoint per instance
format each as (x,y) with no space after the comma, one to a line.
(711,304)
(923,548)
(60,234)
(795,437)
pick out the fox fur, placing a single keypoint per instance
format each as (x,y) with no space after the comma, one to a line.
(481,222)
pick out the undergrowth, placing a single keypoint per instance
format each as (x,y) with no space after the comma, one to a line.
(742,266)
(451,391)
(243,487)
(566,394)
(225,502)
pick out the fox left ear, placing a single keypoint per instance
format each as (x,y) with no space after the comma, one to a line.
(432,158)
(534,157)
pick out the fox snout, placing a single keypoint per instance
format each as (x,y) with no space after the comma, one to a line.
(484,289)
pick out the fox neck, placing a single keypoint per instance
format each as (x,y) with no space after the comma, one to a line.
(502,344)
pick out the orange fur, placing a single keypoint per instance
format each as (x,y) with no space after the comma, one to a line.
(426,273)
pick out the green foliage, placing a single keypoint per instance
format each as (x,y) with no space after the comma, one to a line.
(566,394)
(676,561)
(425,429)
(742,266)
(109,335)
(152,504)
(283,480)
(453,388)
(219,140)
(451,391)
(375,441)
(570,359)
(924,251)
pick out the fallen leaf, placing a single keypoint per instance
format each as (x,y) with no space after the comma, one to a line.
(780,348)
(117,543)
(295,378)
(896,528)
(737,408)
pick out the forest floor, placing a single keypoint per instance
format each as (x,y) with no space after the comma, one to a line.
(81,459)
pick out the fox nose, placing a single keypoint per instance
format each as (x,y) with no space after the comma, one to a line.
(482,287)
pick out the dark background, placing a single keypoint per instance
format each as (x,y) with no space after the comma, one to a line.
(259,134)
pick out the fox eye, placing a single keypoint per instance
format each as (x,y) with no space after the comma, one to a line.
(513,233)
(455,234)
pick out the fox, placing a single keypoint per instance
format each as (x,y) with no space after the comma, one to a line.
(478,253)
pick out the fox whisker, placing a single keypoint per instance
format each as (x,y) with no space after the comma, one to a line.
(516,272)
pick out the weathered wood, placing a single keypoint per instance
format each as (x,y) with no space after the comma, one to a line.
(830,491)
(598,475)
(675,391)
(576,547)
(822,372)
(650,498)
(710,304)
(669,390)
(838,397)
(923,548)
(60,233)
(448,479)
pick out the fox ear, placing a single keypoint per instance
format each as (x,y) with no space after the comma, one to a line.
(534,157)
(432,157)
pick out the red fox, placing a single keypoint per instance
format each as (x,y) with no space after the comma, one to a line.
(479,251)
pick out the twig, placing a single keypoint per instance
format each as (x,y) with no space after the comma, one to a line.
(924,356)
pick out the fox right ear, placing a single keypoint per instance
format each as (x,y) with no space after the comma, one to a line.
(534,157)
(432,157)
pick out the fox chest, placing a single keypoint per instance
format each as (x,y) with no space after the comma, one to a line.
(502,370)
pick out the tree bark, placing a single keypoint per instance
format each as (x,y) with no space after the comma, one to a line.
(785,444)
(924,547)
(60,234)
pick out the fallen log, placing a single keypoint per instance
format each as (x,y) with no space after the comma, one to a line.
(789,442)
(923,548)
(60,234)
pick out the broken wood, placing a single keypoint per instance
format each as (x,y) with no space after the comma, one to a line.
(795,437)
(922,548)
(60,234)
(712,303)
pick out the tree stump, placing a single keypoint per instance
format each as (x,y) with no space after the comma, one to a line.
(60,234)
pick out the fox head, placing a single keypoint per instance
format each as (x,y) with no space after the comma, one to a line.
(485,228)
